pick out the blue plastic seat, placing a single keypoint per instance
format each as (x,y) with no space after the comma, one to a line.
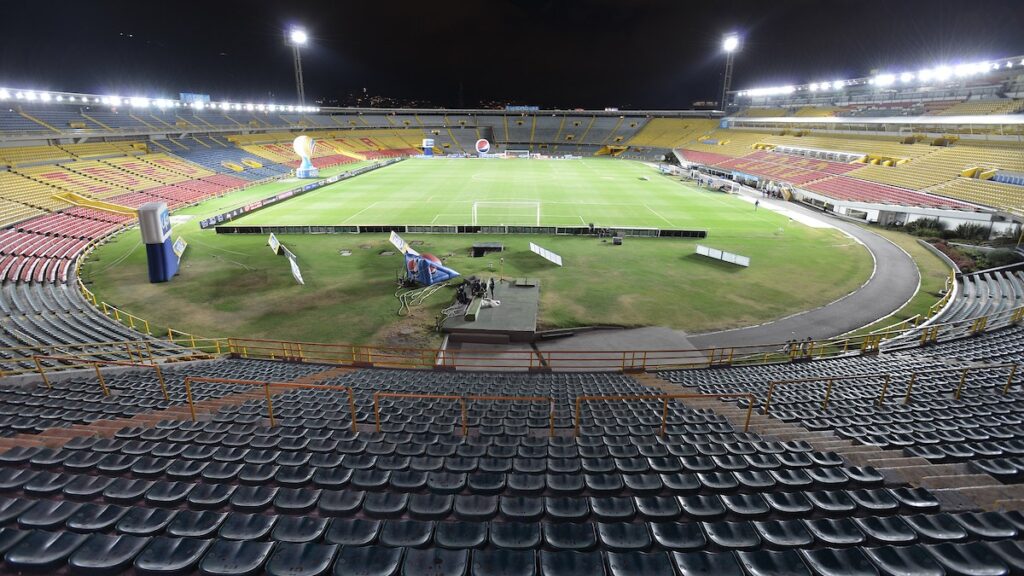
(47,515)
(707,563)
(624,536)
(515,535)
(235,558)
(145,521)
(301,559)
(407,533)
(42,551)
(434,561)
(369,561)
(460,535)
(170,556)
(239,526)
(195,524)
(564,508)
(298,529)
(570,536)
(340,502)
(838,562)
(103,555)
(503,562)
(568,563)
(353,531)
(635,563)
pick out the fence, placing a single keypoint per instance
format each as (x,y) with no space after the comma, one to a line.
(189,380)
(664,410)
(99,373)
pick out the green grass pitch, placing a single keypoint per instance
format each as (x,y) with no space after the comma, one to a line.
(233,285)
(570,193)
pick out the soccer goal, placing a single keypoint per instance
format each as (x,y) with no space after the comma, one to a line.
(517,154)
(506,213)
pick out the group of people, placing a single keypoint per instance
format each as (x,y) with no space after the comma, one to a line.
(771,193)
(797,347)
(472,288)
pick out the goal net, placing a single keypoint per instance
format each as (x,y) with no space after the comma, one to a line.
(506,213)
(517,153)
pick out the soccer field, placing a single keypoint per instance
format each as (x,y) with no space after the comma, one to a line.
(234,285)
(607,193)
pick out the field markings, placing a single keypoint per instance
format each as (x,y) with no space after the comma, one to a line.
(655,212)
(360,212)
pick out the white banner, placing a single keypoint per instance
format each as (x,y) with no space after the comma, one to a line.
(723,256)
(296,273)
(546,254)
(400,244)
(274,243)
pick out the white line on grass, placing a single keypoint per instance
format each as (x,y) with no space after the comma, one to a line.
(659,215)
(360,212)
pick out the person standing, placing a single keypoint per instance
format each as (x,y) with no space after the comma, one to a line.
(756,204)
(491,286)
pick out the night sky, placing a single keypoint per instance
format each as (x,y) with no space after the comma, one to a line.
(661,54)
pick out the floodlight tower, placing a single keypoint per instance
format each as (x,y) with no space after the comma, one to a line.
(731,45)
(298,38)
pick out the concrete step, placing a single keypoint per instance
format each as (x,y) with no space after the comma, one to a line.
(958,481)
(979,497)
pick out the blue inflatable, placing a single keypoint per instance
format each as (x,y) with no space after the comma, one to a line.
(426,269)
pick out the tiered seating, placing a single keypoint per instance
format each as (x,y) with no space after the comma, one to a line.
(983,107)
(943,164)
(796,170)
(94,150)
(981,426)
(17,188)
(763,112)
(734,143)
(1002,196)
(854,190)
(81,401)
(818,111)
(64,119)
(14,123)
(986,293)
(64,179)
(141,167)
(110,174)
(232,495)
(671,132)
(17,155)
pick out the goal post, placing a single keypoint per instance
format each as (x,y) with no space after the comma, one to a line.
(517,153)
(497,213)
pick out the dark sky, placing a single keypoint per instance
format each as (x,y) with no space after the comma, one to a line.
(564,53)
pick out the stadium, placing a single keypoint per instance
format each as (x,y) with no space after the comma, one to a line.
(777,331)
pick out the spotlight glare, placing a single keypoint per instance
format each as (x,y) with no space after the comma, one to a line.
(298,36)
(731,43)
(4,94)
(906,77)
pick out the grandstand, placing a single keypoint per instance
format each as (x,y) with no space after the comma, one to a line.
(884,453)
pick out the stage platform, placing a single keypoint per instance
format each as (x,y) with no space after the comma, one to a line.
(515,320)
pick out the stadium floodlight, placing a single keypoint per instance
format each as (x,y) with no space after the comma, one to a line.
(838,85)
(942,73)
(298,36)
(30,96)
(906,77)
(297,39)
(884,79)
(60,98)
(137,102)
(4,94)
(45,96)
(730,45)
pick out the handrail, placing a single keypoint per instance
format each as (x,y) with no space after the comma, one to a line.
(830,380)
(99,374)
(267,385)
(664,411)
(378,395)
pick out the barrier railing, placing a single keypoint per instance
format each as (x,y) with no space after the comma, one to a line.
(665,398)
(267,385)
(464,403)
(186,340)
(130,320)
(135,350)
(99,373)
(964,373)
(888,377)
(828,380)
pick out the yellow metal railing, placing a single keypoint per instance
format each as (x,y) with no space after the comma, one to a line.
(99,373)
(664,398)
(189,380)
